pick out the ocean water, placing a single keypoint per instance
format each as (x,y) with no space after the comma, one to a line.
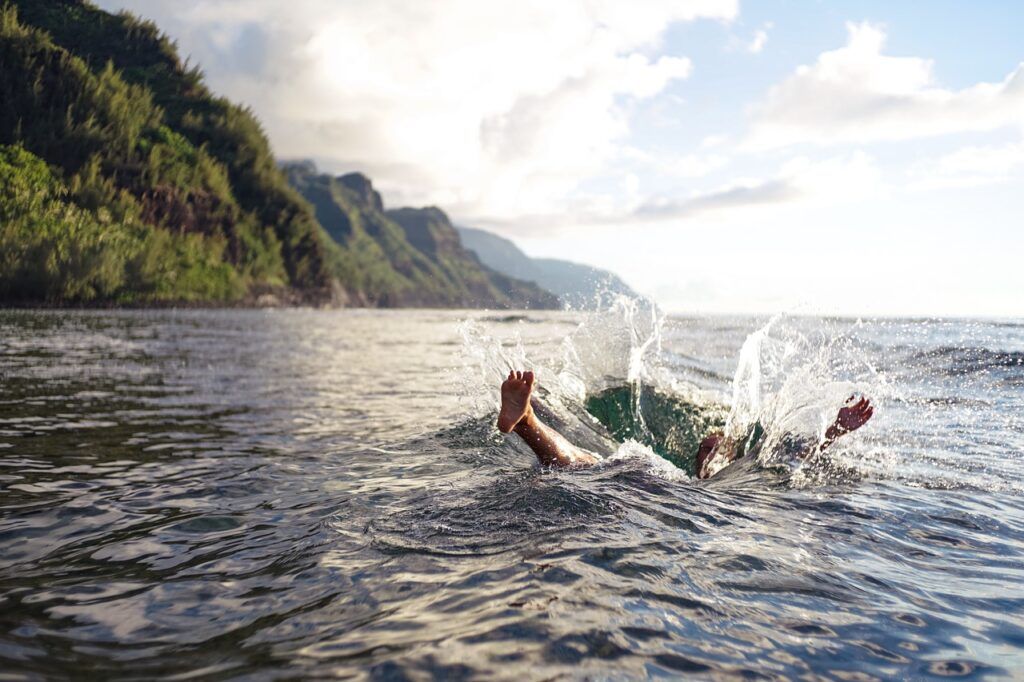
(294,494)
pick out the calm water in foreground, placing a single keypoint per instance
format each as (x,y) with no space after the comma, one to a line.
(285,494)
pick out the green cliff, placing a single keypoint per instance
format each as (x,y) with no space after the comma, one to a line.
(405,257)
(126,181)
(137,142)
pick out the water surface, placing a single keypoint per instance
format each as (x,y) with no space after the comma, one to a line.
(282,494)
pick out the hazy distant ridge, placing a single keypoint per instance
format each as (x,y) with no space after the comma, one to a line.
(578,286)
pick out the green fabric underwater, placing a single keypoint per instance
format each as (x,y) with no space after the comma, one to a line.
(668,424)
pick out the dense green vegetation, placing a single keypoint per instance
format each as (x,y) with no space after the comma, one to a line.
(134,135)
(408,257)
(52,250)
(128,181)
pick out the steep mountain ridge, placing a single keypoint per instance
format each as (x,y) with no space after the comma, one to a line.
(407,256)
(128,182)
(136,139)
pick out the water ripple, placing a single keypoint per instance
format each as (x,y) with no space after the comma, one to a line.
(251,494)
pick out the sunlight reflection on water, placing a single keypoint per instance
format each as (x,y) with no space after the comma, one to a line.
(300,493)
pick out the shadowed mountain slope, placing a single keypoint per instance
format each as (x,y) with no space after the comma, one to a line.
(135,139)
(405,257)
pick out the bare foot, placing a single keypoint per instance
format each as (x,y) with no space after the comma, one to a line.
(515,400)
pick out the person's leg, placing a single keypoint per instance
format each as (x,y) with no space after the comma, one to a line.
(517,416)
(714,454)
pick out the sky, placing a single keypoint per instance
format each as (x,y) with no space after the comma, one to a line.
(860,158)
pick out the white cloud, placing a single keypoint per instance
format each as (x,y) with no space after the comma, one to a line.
(760,39)
(856,94)
(755,44)
(712,141)
(733,197)
(799,182)
(674,165)
(969,166)
(758,43)
(496,108)
(983,160)
(830,181)
(835,180)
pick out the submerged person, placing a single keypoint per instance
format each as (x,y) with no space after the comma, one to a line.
(716,451)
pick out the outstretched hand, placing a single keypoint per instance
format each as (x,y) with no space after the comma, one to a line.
(854,415)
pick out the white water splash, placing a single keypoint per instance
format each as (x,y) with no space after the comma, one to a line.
(792,375)
(747,383)
(650,462)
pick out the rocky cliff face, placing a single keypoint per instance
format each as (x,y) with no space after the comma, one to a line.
(363,189)
(404,257)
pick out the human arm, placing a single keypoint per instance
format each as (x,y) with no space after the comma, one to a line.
(850,418)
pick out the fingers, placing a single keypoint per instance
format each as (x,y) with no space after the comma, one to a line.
(855,404)
(853,401)
(528,377)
